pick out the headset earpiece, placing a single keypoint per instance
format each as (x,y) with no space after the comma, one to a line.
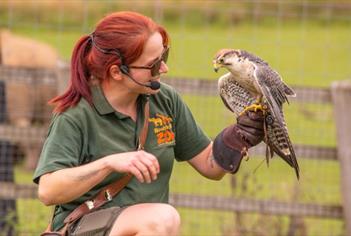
(124,69)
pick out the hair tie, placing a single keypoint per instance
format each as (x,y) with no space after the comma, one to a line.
(91,37)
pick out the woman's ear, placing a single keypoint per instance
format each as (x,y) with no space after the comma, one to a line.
(115,72)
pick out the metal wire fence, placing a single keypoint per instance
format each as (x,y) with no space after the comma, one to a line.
(308,42)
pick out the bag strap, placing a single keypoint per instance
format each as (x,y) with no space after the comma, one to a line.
(111,190)
(143,133)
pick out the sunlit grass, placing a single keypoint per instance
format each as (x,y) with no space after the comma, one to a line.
(216,223)
(311,124)
(277,181)
(319,184)
(304,54)
(33,215)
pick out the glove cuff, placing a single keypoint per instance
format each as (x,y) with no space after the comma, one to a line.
(225,156)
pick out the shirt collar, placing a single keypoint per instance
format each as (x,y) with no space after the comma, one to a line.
(104,107)
(100,102)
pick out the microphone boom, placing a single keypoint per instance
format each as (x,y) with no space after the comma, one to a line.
(154,85)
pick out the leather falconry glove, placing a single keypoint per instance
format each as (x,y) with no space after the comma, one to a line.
(232,144)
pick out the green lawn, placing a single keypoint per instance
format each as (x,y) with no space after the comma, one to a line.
(311,124)
(304,54)
(319,183)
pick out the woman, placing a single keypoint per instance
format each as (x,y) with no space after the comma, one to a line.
(94,134)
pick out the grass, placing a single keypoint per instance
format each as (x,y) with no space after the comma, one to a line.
(210,223)
(33,215)
(278,181)
(311,124)
(304,54)
(319,184)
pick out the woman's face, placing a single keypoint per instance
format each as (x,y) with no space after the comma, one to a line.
(152,53)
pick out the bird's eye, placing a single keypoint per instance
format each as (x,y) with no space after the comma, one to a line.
(221,60)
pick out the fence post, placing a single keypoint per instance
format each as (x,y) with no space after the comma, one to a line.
(7,206)
(341,96)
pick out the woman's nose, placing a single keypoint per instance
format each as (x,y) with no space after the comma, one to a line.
(163,68)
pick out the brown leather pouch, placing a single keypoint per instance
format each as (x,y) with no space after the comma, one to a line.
(97,223)
(51,234)
(61,232)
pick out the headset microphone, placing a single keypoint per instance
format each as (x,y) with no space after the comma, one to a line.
(154,85)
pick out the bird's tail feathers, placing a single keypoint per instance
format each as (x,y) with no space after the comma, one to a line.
(290,159)
(289,91)
(277,138)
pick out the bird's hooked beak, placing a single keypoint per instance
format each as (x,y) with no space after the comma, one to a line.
(216,65)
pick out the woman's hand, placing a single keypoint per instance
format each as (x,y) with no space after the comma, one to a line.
(143,165)
(232,144)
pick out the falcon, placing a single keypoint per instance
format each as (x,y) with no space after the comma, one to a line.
(251,84)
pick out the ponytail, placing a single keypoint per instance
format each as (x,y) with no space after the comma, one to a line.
(79,82)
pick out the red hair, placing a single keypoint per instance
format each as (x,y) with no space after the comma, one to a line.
(125,31)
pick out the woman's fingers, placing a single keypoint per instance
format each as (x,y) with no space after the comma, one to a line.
(151,167)
(152,163)
(147,165)
(146,175)
(136,172)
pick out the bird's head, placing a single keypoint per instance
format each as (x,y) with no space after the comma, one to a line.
(226,58)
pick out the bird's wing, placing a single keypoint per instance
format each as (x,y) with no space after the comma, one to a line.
(279,141)
(252,57)
(274,92)
(272,88)
(234,97)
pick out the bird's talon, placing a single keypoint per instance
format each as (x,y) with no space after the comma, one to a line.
(245,153)
(253,107)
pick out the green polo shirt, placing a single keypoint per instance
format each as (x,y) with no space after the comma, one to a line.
(86,133)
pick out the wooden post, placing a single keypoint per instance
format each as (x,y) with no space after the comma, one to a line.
(341,96)
(7,206)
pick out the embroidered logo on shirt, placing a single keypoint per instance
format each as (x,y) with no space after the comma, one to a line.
(163,129)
